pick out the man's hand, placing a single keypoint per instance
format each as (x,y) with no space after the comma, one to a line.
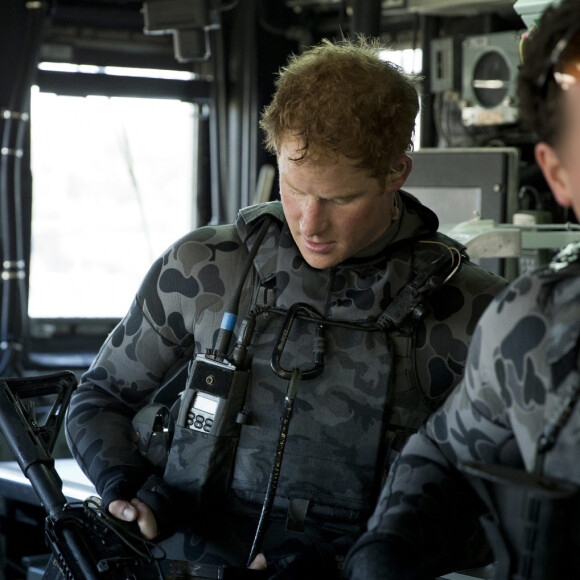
(135,510)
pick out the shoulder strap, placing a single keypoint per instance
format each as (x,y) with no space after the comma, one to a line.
(249,216)
(248,223)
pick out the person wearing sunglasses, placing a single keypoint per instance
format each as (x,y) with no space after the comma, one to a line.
(502,453)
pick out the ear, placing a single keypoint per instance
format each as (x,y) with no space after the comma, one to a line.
(401,169)
(555,173)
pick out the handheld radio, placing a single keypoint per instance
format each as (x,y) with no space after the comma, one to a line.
(212,411)
(214,397)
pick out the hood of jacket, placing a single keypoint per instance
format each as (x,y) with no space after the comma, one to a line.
(416,221)
(358,288)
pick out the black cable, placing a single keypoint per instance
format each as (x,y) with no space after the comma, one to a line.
(14,304)
(277,466)
(144,548)
(370,326)
(230,6)
(230,315)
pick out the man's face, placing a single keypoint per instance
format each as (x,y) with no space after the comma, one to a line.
(333,209)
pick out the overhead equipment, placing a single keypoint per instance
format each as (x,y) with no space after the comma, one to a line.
(531,10)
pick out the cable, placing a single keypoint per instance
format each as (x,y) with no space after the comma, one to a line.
(455,254)
(291,393)
(230,315)
(14,303)
(132,540)
(230,6)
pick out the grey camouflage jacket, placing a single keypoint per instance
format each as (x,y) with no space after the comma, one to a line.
(521,367)
(373,381)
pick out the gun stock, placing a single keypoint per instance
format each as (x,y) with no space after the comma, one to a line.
(87,543)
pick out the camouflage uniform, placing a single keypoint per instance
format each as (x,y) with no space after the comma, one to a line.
(521,369)
(373,381)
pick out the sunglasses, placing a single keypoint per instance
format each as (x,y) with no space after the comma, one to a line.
(565,71)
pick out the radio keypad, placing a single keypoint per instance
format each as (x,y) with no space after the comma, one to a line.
(199,422)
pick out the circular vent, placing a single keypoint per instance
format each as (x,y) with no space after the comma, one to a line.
(491,79)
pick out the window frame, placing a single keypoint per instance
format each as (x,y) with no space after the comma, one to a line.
(55,342)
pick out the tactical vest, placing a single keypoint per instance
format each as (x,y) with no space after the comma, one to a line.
(533,522)
(365,401)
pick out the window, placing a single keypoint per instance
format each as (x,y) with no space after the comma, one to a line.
(113,187)
(411,61)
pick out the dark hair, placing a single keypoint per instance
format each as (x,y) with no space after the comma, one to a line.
(342,99)
(541,102)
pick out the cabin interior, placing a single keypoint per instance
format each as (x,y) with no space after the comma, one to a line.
(127,123)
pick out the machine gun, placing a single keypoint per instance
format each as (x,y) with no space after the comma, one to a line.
(87,543)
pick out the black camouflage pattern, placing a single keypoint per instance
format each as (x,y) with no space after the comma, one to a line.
(521,367)
(339,418)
